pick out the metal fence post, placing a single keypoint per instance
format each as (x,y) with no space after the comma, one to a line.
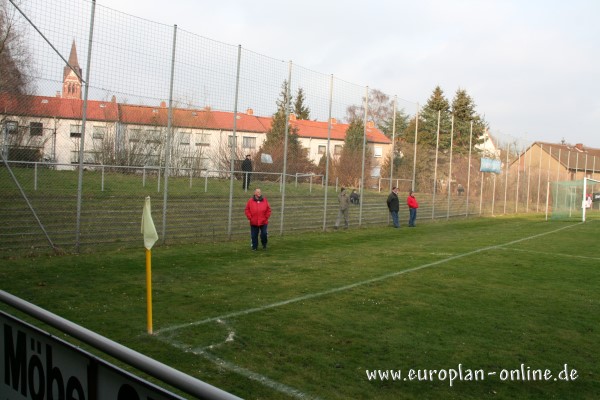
(285,147)
(469,171)
(234,142)
(168,139)
(362,176)
(82,133)
(450,168)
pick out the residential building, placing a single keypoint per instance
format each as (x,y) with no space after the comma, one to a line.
(42,128)
(560,161)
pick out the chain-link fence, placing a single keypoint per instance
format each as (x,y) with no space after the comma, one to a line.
(100,109)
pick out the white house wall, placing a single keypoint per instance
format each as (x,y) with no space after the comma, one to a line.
(61,148)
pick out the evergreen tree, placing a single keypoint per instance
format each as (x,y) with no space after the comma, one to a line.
(387,125)
(275,136)
(463,109)
(297,156)
(301,111)
(354,136)
(349,167)
(437,104)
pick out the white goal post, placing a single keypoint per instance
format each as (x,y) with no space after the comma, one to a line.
(572,199)
(586,201)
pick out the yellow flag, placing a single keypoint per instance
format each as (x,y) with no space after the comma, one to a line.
(148,229)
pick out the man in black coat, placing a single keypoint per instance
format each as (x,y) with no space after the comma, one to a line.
(247,172)
(394,206)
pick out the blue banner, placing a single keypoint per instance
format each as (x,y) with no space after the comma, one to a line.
(490,165)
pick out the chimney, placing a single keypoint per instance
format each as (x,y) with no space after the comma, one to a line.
(579,146)
(163,104)
(333,121)
(250,111)
(370,124)
(292,117)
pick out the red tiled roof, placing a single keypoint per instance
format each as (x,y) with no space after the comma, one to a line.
(318,130)
(50,107)
(209,119)
(41,106)
(189,118)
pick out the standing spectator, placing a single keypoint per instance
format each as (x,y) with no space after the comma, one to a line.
(344,209)
(258,212)
(247,172)
(412,203)
(393,205)
(588,201)
(460,189)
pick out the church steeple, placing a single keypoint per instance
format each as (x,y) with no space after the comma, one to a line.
(71,80)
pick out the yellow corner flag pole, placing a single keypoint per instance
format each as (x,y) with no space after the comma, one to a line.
(150,237)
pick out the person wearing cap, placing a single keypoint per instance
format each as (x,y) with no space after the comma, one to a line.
(247,171)
(412,203)
(344,209)
(393,205)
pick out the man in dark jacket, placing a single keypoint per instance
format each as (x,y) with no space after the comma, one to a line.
(393,205)
(246,172)
(258,212)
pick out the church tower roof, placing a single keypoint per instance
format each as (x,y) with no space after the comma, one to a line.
(72,76)
(73,62)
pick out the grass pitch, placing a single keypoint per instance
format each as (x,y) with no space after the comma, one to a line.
(319,315)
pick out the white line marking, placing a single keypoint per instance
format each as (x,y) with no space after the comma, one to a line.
(203,352)
(280,386)
(353,285)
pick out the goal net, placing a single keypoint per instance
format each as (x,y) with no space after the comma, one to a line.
(573,200)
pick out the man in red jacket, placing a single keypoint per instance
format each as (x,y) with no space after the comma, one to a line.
(412,203)
(258,212)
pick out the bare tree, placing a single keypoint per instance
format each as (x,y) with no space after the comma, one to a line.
(14,58)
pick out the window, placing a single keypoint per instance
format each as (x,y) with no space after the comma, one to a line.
(337,149)
(36,128)
(321,149)
(152,136)
(203,139)
(89,157)
(203,162)
(11,127)
(378,152)
(184,138)
(75,130)
(248,142)
(99,132)
(231,141)
(134,135)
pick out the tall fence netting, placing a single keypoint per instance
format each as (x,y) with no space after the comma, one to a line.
(110,108)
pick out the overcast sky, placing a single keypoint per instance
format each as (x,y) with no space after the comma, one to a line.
(532,67)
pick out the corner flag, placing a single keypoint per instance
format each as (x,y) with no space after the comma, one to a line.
(150,237)
(148,229)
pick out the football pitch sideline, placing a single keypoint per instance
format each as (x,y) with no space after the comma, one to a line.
(503,307)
